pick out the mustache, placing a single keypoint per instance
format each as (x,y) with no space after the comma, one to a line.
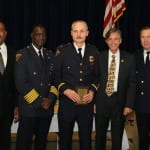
(79,37)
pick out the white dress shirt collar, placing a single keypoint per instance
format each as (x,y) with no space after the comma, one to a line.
(83,48)
(37,50)
(145,54)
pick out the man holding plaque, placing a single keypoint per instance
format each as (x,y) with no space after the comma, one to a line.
(77,80)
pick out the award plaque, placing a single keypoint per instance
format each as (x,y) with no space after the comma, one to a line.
(81,92)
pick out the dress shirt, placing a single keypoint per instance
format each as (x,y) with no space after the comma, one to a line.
(37,50)
(145,54)
(82,50)
(3,50)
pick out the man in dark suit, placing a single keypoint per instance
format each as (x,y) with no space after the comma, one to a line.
(116,93)
(143,92)
(7,90)
(76,79)
(37,95)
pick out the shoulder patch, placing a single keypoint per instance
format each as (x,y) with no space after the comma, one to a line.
(18,56)
(57,52)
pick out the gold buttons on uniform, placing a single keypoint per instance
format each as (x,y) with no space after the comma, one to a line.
(81,79)
(142,93)
(34,73)
(81,71)
(81,64)
(142,81)
(41,84)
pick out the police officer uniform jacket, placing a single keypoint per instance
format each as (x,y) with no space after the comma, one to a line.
(143,84)
(72,71)
(34,80)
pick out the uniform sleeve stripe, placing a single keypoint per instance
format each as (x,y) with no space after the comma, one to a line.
(60,85)
(54,90)
(31,96)
(94,86)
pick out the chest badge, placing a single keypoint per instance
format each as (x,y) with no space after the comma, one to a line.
(91,59)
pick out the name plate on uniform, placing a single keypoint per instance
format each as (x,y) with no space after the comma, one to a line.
(81,90)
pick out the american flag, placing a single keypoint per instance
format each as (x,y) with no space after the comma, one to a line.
(114,9)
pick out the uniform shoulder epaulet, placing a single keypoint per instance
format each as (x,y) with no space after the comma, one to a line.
(19,54)
(68,44)
(60,47)
(50,51)
(63,45)
(91,45)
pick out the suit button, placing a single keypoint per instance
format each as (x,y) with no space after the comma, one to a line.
(34,73)
(81,71)
(81,64)
(81,79)
(142,81)
(41,84)
(142,93)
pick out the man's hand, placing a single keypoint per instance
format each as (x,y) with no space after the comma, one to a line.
(46,103)
(88,97)
(127,111)
(71,94)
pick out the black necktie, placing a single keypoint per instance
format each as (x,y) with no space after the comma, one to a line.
(79,50)
(40,55)
(2,67)
(147,58)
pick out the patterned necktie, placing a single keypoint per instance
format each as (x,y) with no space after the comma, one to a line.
(111,77)
(2,68)
(79,50)
(147,58)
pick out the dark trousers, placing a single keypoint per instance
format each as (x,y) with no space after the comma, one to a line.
(143,124)
(109,112)
(84,117)
(5,133)
(39,126)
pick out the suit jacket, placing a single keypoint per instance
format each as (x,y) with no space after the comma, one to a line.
(34,80)
(126,80)
(71,71)
(143,83)
(7,86)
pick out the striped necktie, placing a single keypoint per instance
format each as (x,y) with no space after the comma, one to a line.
(111,77)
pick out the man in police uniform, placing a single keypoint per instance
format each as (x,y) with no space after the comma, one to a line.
(37,95)
(143,92)
(76,80)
